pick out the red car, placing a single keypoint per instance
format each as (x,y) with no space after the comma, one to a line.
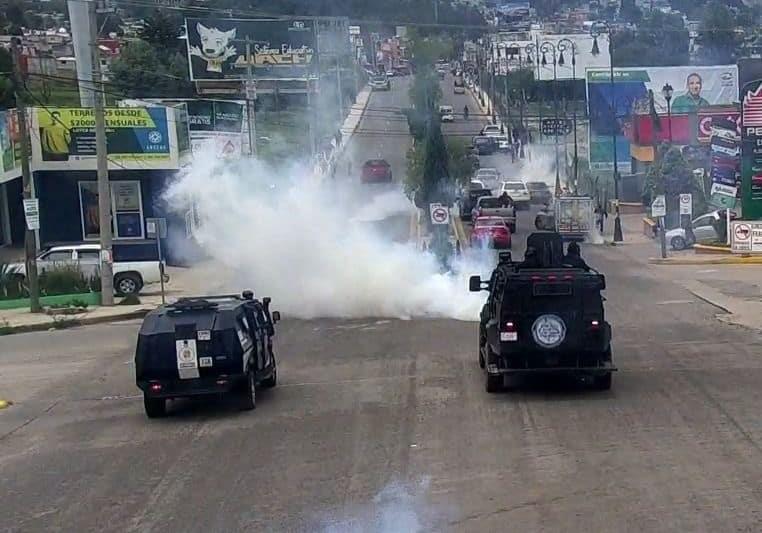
(491,230)
(376,171)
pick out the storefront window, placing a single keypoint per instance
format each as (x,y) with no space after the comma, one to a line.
(126,206)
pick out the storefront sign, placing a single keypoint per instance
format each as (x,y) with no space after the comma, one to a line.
(751,141)
(746,236)
(10,146)
(137,138)
(279,48)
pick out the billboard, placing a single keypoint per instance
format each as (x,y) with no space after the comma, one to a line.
(10,146)
(612,106)
(280,49)
(63,138)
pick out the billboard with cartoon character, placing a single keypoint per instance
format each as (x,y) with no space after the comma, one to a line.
(280,49)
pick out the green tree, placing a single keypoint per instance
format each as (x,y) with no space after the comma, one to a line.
(717,34)
(161,31)
(140,72)
(659,40)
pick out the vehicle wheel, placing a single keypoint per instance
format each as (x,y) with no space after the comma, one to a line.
(125,284)
(481,358)
(513,228)
(602,382)
(249,393)
(494,383)
(272,381)
(678,243)
(155,407)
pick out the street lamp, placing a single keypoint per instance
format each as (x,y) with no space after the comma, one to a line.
(564,45)
(596,30)
(666,92)
(545,48)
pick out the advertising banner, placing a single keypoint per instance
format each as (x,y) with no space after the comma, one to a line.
(137,138)
(751,149)
(612,106)
(280,49)
(215,115)
(10,147)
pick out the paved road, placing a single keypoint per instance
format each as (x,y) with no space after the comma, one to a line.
(382,134)
(384,425)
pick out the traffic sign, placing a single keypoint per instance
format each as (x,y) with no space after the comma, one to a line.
(746,236)
(440,214)
(659,206)
(686,204)
(556,126)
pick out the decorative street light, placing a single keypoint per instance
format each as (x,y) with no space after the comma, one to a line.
(596,30)
(666,92)
(545,48)
(563,46)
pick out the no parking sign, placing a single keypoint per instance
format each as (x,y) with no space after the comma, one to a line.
(440,214)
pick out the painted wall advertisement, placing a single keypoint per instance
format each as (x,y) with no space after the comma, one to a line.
(137,138)
(613,106)
(10,146)
(279,48)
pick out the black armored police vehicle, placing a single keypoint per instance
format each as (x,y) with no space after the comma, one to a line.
(544,315)
(207,345)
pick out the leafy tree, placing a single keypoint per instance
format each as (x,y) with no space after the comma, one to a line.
(15,14)
(717,34)
(659,40)
(139,72)
(161,31)
(7,99)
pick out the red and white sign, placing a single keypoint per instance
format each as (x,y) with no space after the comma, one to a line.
(705,119)
(746,236)
(752,108)
(440,214)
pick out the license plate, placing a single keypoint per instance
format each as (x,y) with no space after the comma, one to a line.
(508,336)
(204,361)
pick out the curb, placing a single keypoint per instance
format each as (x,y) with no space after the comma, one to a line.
(75,322)
(708,260)
(709,249)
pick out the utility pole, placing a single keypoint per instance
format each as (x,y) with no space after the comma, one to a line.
(30,242)
(251,94)
(101,150)
(338,90)
(436,11)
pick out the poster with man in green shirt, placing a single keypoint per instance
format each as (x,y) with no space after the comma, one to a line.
(691,101)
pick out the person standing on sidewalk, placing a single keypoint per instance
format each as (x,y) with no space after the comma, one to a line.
(600,216)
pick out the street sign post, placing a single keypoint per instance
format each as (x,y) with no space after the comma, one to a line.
(156,228)
(686,204)
(746,237)
(440,214)
(551,127)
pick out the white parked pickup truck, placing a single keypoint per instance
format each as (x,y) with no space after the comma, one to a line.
(135,264)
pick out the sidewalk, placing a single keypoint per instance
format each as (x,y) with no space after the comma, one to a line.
(183,282)
(735,289)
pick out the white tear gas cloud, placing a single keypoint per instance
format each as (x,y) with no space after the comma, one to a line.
(285,234)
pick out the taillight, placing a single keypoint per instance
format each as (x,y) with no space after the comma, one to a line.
(508,332)
(155,387)
(595,325)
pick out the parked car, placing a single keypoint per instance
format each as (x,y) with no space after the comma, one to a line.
(539,192)
(517,190)
(491,130)
(135,265)
(492,232)
(488,174)
(376,171)
(446,113)
(503,144)
(380,83)
(485,145)
(703,230)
